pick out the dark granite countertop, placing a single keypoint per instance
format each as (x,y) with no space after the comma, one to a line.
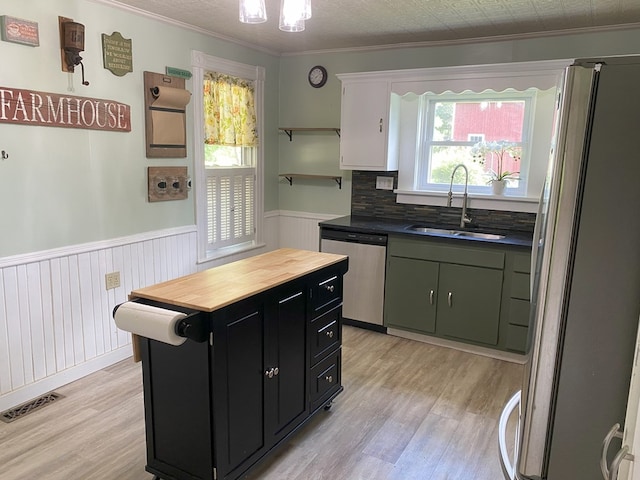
(379,225)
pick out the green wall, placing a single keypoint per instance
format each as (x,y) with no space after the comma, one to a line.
(64,186)
(303,106)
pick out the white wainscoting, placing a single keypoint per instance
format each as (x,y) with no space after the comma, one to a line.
(55,311)
(300,229)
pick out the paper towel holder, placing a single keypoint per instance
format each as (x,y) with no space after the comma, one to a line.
(194,326)
(152,81)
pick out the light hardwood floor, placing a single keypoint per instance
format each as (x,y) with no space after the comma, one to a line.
(409,411)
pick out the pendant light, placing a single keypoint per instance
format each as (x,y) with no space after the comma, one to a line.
(293,13)
(253,11)
(307,9)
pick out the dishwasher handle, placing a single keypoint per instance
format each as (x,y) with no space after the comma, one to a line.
(353,237)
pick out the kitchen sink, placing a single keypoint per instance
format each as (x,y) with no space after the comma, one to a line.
(487,236)
(455,233)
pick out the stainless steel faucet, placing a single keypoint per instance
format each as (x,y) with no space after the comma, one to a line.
(463,218)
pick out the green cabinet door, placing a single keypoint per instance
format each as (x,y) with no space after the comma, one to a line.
(469,303)
(411,294)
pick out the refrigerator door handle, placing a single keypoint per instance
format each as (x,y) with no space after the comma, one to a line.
(507,467)
(623,454)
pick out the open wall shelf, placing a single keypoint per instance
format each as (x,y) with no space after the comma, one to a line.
(291,176)
(289,131)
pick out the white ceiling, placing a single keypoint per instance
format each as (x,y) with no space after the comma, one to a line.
(339,24)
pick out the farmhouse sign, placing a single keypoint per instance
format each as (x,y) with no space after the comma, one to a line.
(29,107)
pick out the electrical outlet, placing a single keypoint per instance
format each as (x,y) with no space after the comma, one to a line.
(112,280)
(384,183)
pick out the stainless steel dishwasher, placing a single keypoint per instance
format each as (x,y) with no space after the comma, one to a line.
(363,285)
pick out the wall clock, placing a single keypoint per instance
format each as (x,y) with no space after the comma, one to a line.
(318,76)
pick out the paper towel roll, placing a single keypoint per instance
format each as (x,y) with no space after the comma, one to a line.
(151,322)
(168,97)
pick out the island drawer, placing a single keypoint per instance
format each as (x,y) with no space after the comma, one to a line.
(326,292)
(325,333)
(325,379)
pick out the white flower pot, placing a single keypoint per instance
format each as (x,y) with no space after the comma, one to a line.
(497,186)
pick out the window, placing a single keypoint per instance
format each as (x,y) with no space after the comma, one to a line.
(474,115)
(228,156)
(488,133)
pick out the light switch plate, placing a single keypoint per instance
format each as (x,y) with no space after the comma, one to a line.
(384,183)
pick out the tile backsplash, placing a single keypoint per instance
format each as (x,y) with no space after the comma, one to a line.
(368,201)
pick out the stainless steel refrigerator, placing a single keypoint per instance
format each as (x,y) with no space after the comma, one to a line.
(585,281)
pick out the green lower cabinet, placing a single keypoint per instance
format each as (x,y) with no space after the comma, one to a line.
(411,294)
(469,303)
(477,294)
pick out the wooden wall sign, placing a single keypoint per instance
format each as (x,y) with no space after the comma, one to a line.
(28,107)
(117,54)
(20,31)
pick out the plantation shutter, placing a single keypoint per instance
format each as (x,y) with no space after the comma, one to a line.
(230,206)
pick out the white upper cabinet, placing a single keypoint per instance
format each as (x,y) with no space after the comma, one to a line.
(365,125)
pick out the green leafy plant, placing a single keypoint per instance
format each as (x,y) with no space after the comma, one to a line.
(499,151)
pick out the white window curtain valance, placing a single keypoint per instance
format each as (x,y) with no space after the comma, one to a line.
(480,78)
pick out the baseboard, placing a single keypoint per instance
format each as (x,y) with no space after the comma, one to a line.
(464,347)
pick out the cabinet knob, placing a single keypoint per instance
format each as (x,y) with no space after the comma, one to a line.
(331,288)
(329,333)
(450,299)
(269,373)
(329,378)
(431,297)
(276,371)
(380,125)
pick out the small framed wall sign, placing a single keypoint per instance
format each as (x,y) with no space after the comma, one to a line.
(17,30)
(117,54)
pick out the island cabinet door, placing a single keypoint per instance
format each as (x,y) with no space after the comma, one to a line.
(238,387)
(177,388)
(285,371)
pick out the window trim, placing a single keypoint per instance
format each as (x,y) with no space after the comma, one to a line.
(201,62)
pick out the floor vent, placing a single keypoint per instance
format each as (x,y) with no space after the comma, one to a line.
(31,406)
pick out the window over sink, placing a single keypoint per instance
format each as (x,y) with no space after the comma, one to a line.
(497,120)
(489,133)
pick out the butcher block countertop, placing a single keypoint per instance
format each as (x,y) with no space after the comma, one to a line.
(218,287)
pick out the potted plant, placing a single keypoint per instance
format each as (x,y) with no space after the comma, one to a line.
(497,152)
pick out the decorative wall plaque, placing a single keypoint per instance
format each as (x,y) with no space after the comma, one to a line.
(20,31)
(117,54)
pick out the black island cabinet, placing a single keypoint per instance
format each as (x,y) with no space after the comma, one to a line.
(268,362)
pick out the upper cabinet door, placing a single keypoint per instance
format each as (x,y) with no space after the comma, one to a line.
(364,141)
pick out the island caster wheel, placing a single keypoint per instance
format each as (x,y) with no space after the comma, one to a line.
(327,407)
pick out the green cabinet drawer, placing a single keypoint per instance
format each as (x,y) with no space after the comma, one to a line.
(520,286)
(440,252)
(519,312)
(522,262)
(517,338)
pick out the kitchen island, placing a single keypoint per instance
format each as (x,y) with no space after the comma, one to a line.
(263,356)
